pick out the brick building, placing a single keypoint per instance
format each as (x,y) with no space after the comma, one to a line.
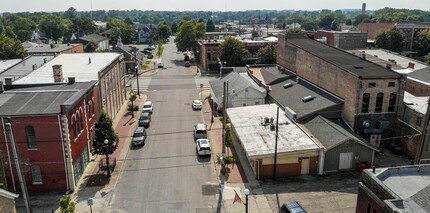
(370,92)
(372,29)
(106,68)
(52,125)
(346,40)
(394,189)
(51,49)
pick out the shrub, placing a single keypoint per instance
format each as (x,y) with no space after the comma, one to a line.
(129,108)
(228,137)
(150,56)
(228,160)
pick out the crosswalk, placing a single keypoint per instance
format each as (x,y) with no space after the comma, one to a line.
(145,82)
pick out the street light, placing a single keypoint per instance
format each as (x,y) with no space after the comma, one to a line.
(246,192)
(136,69)
(198,56)
(107,157)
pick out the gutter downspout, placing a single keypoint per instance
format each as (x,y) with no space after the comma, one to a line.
(8,155)
(321,161)
(64,153)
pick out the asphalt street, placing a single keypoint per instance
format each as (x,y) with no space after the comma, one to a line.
(166,175)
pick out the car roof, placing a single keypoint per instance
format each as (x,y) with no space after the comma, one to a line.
(145,114)
(139,129)
(197,101)
(294,207)
(200,126)
(203,142)
(147,102)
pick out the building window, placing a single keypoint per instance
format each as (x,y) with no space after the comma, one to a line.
(75,127)
(391,84)
(379,101)
(81,125)
(365,103)
(372,84)
(31,137)
(392,102)
(419,121)
(368,208)
(36,174)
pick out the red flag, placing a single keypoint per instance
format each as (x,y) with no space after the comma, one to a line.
(236,198)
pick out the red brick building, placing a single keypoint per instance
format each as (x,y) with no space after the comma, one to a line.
(372,29)
(346,40)
(52,126)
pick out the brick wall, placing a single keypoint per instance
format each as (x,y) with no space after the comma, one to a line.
(7,205)
(328,35)
(417,88)
(288,170)
(372,29)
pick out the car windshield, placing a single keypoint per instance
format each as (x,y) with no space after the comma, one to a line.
(147,106)
(138,134)
(197,102)
(201,131)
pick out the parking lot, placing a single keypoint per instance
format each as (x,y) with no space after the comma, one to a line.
(335,192)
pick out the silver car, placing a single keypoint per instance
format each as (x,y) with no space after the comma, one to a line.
(139,137)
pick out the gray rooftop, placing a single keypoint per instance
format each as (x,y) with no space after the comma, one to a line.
(331,134)
(259,140)
(276,74)
(291,97)
(348,62)
(94,37)
(394,57)
(417,103)
(236,81)
(6,64)
(42,100)
(408,183)
(50,48)
(25,67)
(422,75)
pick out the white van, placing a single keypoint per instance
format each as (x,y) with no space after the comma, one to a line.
(200,131)
(203,147)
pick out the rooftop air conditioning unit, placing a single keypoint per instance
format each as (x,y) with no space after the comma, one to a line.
(307,98)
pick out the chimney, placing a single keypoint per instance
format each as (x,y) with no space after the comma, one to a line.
(89,60)
(388,66)
(8,81)
(71,80)
(45,60)
(52,45)
(411,65)
(1,87)
(34,66)
(58,73)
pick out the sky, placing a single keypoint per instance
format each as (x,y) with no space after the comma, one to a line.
(204,5)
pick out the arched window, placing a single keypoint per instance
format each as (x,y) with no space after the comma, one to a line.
(81,117)
(365,103)
(75,127)
(392,102)
(379,102)
(31,137)
(92,108)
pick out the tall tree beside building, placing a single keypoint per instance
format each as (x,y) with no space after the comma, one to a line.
(233,52)
(11,48)
(174,28)
(267,55)
(164,30)
(188,35)
(391,39)
(70,13)
(210,26)
(53,26)
(104,131)
(423,42)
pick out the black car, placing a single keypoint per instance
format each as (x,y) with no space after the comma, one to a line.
(145,119)
(147,52)
(292,207)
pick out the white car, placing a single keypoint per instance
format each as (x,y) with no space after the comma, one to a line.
(203,147)
(197,104)
(148,107)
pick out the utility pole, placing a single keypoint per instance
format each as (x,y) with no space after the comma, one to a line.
(224,120)
(136,68)
(18,168)
(276,144)
(423,135)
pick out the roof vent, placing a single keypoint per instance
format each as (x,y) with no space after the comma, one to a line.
(358,67)
(89,60)
(266,121)
(307,98)
(388,66)
(71,80)
(272,127)
(287,85)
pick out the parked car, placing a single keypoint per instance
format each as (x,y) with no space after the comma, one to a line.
(197,104)
(139,137)
(200,131)
(153,47)
(203,147)
(292,207)
(147,52)
(160,65)
(187,64)
(148,107)
(145,119)
(150,56)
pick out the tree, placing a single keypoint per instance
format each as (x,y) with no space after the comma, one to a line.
(362,18)
(132,98)
(391,39)
(70,13)
(67,205)
(233,52)
(91,47)
(174,28)
(267,55)
(422,43)
(11,49)
(348,21)
(53,26)
(189,33)
(210,26)
(164,30)
(427,58)
(326,21)
(103,131)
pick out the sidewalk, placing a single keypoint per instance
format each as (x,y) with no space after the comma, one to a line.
(94,184)
(239,175)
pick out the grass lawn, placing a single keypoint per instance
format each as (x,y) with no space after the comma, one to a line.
(145,66)
(160,51)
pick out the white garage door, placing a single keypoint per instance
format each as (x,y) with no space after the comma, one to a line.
(345,160)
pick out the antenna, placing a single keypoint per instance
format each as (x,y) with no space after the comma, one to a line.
(91,13)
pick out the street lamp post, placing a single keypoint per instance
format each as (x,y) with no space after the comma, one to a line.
(246,192)
(107,157)
(136,70)
(198,56)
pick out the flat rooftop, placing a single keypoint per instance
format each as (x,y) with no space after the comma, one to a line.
(259,140)
(416,103)
(395,57)
(5,64)
(25,66)
(346,61)
(50,48)
(74,65)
